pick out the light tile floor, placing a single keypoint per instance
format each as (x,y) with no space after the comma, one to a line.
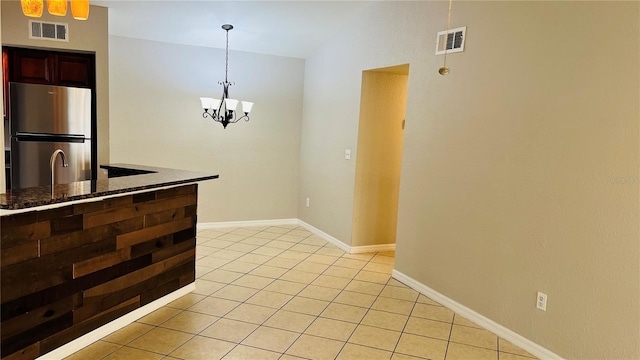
(280,292)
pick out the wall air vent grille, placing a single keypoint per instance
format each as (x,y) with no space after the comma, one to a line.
(451,41)
(48,31)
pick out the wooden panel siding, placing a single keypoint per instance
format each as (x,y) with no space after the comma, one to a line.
(70,270)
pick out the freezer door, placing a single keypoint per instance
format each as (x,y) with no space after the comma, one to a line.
(30,164)
(49,109)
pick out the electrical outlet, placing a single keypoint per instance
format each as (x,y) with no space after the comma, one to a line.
(541,301)
(307,202)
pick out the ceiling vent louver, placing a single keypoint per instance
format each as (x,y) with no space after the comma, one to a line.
(48,31)
(451,41)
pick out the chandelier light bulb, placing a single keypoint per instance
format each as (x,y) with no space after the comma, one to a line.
(246,107)
(32,8)
(206,103)
(215,104)
(231,104)
(80,9)
(57,7)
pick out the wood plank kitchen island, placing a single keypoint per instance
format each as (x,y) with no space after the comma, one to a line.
(92,252)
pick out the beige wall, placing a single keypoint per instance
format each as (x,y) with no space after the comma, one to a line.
(156,119)
(382,110)
(520,169)
(90,35)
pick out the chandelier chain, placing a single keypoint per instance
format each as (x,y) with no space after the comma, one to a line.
(226,60)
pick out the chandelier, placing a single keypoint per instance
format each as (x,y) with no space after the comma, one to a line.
(223,110)
(34,8)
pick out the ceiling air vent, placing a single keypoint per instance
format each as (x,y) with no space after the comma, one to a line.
(451,41)
(48,31)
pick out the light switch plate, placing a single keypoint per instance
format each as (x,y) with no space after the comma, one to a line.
(347,154)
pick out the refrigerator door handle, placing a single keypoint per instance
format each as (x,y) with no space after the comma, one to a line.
(73,138)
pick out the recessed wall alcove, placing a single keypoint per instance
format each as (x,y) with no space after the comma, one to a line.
(379,155)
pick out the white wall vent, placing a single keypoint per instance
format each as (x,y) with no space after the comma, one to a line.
(48,31)
(451,41)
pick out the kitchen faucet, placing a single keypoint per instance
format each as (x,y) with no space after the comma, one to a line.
(53,162)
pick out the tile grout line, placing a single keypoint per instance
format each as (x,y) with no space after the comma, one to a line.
(310,283)
(335,297)
(278,309)
(370,260)
(236,345)
(405,324)
(344,289)
(366,312)
(446,350)
(316,317)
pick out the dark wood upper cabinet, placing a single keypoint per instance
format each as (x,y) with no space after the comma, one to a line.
(30,66)
(74,70)
(50,67)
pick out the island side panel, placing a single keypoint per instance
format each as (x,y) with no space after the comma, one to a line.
(67,271)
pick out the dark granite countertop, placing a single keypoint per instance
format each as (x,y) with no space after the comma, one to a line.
(146,177)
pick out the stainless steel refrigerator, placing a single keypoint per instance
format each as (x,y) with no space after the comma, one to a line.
(44,118)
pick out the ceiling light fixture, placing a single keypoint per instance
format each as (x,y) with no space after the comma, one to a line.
(33,8)
(223,110)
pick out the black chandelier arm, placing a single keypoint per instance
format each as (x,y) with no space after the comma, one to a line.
(217,116)
(207,113)
(233,119)
(229,116)
(220,108)
(224,116)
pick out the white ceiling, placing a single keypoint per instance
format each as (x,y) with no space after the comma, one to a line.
(293,28)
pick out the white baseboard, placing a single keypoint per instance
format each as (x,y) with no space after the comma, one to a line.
(314,230)
(503,332)
(372,248)
(117,324)
(227,224)
(347,248)
(344,247)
